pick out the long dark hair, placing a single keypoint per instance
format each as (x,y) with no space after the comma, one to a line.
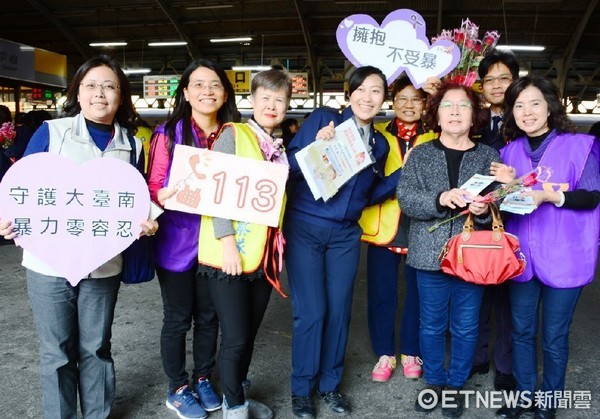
(126,114)
(480,115)
(557,119)
(183,110)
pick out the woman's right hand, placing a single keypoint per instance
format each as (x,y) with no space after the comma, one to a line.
(503,172)
(6,230)
(163,194)
(326,133)
(232,261)
(455,198)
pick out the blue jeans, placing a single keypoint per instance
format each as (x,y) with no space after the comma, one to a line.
(444,300)
(74,325)
(383,268)
(557,308)
(321,264)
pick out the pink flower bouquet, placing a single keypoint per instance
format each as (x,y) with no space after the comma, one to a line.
(472,50)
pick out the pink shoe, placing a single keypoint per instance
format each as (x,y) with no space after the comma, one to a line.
(384,368)
(412,366)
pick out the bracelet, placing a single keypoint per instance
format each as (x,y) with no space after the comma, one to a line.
(562,199)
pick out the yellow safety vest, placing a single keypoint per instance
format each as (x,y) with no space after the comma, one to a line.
(380,221)
(250,238)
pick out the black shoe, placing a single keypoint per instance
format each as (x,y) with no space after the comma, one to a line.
(479,369)
(505,382)
(456,400)
(302,407)
(426,403)
(336,401)
(513,412)
(545,413)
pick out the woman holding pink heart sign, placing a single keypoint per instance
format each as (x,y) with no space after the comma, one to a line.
(74,321)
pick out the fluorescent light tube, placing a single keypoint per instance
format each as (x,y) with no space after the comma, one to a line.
(108,44)
(521,47)
(251,67)
(167,44)
(240,39)
(136,70)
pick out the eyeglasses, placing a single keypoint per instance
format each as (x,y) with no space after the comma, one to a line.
(107,86)
(198,85)
(403,100)
(501,79)
(462,105)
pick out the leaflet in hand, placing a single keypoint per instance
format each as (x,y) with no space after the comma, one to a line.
(517,203)
(329,164)
(477,183)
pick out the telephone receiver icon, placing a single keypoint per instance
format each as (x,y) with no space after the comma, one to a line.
(194,162)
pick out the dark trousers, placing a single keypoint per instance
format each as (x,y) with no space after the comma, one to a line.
(495,297)
(321,265)
(383,267)
(240,305)
(186,298)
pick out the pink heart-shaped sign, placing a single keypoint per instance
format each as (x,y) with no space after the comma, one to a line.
(398,44)
(74,217)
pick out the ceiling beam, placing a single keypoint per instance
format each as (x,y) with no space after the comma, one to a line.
(567,57)
(85,51)
(193,51)
(309,50)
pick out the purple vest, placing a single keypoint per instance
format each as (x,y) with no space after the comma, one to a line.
(176,240)
(559,244)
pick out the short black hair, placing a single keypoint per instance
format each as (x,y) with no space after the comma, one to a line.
(403,82)
(359,75)
(508,58)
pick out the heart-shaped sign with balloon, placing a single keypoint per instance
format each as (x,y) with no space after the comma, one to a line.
(398,44)
(74,217)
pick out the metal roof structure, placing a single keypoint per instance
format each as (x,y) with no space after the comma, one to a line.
(300,34)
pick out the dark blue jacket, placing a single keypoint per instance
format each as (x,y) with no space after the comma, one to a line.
(368,187)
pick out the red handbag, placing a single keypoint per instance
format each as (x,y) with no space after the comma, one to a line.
(483,257)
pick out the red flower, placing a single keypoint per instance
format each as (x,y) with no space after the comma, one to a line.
(530,179)
(7,134)
(459,36)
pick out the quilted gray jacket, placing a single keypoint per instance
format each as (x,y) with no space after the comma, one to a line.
(424,177)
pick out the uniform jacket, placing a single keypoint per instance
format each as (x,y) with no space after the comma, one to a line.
(366,188)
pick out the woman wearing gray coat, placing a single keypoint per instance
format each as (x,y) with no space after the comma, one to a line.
(428,193)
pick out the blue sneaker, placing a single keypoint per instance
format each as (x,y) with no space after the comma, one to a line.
(184,404)
(208,398)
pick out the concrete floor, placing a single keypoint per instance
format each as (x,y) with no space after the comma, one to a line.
(141,383)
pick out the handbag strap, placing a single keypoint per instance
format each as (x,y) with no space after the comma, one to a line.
(497,224)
